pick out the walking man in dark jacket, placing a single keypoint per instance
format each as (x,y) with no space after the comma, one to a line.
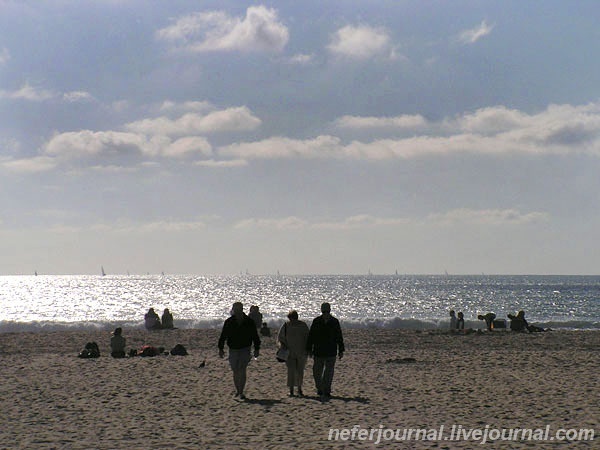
(239,331)
(325,342)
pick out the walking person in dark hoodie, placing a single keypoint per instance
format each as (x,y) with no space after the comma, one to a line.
(325,342)
(239,331)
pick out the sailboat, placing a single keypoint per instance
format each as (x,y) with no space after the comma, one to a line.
(102,269)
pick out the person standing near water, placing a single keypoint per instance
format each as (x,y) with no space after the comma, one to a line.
(453,321)
(325,342)
(239,331)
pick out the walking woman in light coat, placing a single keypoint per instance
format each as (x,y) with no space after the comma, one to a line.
(293,336)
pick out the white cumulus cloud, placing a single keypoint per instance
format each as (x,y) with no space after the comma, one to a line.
(259,30)
(231,119)
(360,42)
(558,130)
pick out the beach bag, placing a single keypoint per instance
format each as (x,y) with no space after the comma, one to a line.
(90,350)
(282,354)
(179,350)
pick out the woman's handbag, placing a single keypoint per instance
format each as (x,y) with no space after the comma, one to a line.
(282,354)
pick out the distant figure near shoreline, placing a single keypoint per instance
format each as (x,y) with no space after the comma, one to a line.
(489,320)
(151,320)
(167,320)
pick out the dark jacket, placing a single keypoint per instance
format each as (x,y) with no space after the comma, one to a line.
(325,338)
(239,335)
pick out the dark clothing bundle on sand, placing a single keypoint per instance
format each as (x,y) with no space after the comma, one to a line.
(90,350)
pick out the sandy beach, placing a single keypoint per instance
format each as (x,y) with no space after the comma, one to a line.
(388,379)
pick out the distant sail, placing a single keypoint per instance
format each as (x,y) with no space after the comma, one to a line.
(36,273)
(102,269)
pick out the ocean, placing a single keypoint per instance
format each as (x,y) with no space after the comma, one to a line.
(78,302)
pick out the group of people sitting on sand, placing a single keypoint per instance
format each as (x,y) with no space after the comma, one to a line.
(517,323)
(118,343)
(153,322)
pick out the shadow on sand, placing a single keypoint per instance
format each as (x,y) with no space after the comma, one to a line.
(363,400)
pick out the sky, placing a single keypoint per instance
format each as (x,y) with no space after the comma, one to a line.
(338,137)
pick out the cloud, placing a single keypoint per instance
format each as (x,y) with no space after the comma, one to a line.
(77,96)
(301,59)
(287,223)
(194,106)
(464,216)
(281,147)
(487,217)
(402,122)
(86,143)
(4,56)
(167,226)
(493,120)
(107,144)
(188,146)
(473,35)
(36,94)
(231,119)
(259,31)
(360,42)
(221,163)
(558,130)
(30,165)
(361,221)
(29,93)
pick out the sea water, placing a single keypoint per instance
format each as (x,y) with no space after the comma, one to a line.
(47,303)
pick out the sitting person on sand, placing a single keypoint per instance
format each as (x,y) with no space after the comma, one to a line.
(167,319)
(460,322)
(265,331)
(117,344)
(151,320)
(489,320)
(518,323)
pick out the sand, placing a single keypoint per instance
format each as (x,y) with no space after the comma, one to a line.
(388,379)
